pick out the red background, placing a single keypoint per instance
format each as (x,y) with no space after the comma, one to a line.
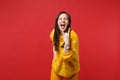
(25,47)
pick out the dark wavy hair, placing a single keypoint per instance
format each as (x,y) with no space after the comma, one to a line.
(57,30)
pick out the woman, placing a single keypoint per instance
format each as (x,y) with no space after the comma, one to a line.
(65,63)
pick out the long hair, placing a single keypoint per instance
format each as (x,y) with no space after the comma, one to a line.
(57,30)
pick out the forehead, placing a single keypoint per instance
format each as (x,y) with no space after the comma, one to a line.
(63,15)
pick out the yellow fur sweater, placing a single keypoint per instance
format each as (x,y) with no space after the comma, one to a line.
(66,64)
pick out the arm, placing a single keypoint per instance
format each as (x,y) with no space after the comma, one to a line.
(74,48)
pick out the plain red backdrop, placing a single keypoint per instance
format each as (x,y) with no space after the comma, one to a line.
(25,47)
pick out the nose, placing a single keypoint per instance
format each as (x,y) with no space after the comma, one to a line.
(63,20)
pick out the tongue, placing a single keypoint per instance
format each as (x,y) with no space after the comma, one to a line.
(62,27)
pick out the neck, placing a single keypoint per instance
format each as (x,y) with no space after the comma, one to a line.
(61,32)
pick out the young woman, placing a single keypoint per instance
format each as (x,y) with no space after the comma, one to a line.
(65,63)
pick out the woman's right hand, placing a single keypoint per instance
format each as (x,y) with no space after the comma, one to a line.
(66,37)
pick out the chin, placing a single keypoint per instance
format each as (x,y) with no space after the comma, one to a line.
(62,29)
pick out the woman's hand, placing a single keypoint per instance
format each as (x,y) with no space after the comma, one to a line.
(66,37)
(67,41)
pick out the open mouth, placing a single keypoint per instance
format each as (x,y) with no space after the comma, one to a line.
(62,26)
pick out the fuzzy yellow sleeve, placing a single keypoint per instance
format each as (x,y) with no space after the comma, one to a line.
(56,61)
(74,48)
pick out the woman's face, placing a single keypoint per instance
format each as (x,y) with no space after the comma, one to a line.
(63,22)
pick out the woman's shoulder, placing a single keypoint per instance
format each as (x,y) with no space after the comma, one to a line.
(51,34)
(73,33)
(52,31)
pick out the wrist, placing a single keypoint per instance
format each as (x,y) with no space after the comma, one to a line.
(66,47)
